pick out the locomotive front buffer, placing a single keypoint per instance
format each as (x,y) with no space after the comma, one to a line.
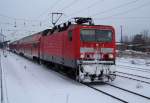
(96,70)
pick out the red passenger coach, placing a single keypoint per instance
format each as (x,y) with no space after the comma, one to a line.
(29,46)
(83,49)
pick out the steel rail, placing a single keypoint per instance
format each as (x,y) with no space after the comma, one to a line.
(106,93)
(134,68)
(129,91)
(70,77)
(133,75)
(133,79)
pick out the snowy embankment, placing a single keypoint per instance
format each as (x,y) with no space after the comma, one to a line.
(27,82)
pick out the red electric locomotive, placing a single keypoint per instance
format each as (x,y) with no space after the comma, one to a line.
(83,49)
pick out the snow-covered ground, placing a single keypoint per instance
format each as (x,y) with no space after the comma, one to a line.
(141,64)
(27,82)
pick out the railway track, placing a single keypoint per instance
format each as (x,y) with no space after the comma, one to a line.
(108,94)
(85,84)
(72,78)
(126,90)
(131,61)
(133,75)
(121,90)
(133,79)
(144,64)
(135,68)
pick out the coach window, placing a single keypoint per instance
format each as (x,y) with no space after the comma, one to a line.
(70,35)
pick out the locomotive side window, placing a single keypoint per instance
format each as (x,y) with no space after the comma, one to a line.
(70,35)
(96,35)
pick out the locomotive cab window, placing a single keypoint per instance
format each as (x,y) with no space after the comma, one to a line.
(92,35)
(70,35)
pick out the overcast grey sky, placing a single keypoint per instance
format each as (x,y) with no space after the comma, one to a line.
(19,18)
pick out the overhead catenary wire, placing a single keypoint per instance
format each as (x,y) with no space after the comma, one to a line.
(127,11)
(66,7)
(105,11)
(5,23)
(69,5)
(54,5)
(70,16)
(17,22)
(116,7)
(88,7)
(49,9)
(126,18)
(18,19)
(30,20)
(26,22)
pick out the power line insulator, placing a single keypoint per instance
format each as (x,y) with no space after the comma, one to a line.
(24,24)
(15,24)
(40,24)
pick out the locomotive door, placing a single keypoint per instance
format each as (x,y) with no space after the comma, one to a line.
(68,50)
(63,48)
(40,48)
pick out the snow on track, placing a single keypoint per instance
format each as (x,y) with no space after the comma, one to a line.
(129,97)
(128,67)
(132,85)
(133,77)
(28,82)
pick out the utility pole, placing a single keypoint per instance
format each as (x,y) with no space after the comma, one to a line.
(2,39)
(121,34)
(15,24)
(1,31)
(2,36)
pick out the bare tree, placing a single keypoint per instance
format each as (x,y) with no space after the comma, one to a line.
(146,37)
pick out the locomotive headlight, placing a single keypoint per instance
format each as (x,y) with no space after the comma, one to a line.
(82,56)
(111,56)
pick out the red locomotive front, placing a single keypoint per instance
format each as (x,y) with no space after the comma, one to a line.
(88,50)
(96,53)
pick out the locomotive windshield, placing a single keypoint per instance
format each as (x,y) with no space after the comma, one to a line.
(93,35)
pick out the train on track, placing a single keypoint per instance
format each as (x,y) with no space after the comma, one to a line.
(81,48)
